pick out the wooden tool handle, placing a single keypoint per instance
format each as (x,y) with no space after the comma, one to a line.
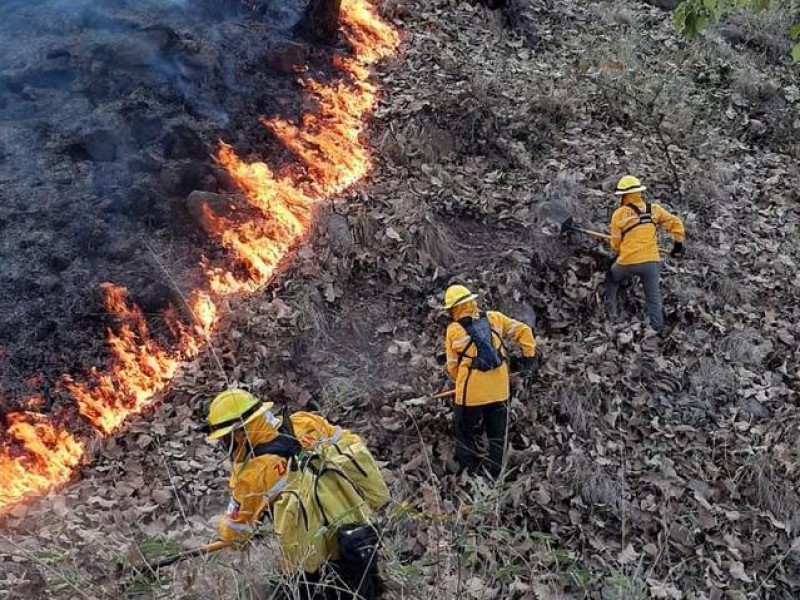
(605,236)
(207,549)
(597,234)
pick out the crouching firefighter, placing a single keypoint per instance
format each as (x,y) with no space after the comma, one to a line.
(317,482)
(477,361)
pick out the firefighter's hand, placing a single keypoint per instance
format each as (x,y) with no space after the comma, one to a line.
(530,365)
(241,543)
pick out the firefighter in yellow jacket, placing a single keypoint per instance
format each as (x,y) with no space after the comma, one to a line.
(634,238)
(260,444)
(477,361)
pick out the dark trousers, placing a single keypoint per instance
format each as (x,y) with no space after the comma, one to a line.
(649,273)
(355,575)
(338,583)
(470,422)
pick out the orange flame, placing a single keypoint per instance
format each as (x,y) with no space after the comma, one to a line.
(204,311)
(50,455)
(139,368)
(332,157)
(329,144)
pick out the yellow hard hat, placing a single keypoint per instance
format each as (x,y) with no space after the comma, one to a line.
(233,409)
(629,185)
(457,294)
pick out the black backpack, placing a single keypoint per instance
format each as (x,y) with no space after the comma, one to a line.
(480,333)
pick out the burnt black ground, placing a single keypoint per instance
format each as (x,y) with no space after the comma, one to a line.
(109,116)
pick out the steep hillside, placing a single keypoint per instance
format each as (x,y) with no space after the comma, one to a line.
(640,467)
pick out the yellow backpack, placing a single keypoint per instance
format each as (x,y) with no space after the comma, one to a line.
(356,461)
(318,498)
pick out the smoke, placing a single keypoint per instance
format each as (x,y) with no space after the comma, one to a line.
(280,14)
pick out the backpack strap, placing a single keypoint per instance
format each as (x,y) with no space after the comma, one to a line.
(285,445)
(287,421)
(464,322)
(645,218)
(319,472)
(501,350)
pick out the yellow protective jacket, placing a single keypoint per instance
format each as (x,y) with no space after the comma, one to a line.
(635,242)
(256,482)
(474,387)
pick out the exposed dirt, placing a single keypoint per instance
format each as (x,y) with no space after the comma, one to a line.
(640,467)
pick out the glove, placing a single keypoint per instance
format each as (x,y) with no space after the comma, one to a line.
(677,250)
(530,364)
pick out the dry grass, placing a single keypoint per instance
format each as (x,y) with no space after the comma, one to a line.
(747,347)
(753,85)
(712,379)
(341,393)
(729,290)
(765,33)
(429,237)
(598,488)
(769,488)
(707,190)
(418,138)
(576,404)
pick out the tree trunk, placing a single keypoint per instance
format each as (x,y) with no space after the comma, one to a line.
(323,20)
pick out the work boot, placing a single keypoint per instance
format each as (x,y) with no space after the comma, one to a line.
(651,341)
(649,332)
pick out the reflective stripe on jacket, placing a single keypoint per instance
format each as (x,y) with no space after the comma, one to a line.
(640,244)
(474,387)
(257,481)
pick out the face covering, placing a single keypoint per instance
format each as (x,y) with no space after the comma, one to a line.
(225,444)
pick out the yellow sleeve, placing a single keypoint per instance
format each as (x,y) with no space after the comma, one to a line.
(250,490)
(237,523)
(616,229)
(520,332)
(452,355)
(668,222)
(310,428)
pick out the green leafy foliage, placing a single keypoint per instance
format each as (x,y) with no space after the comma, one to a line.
(692,16)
